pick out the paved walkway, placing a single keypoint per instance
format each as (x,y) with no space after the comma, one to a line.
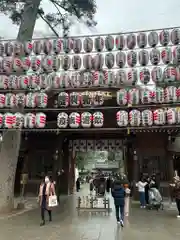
(66,225)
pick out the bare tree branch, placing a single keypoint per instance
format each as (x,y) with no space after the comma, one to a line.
(53,30)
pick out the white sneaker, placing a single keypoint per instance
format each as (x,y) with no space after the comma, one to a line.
(178,216)
(122,223)
(118,222)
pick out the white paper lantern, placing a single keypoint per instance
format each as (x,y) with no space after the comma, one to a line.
(8,120)
(20,100)
(143,57)
(35,63)
(170,94)
(77,45)
(40,120)
(88,45)
(132,58)
(147,118)
(109,60)
(166,55)
(135,118)
(120,42)
(175,36)
(47,64)
(1,120)
(74,99)
(63,99)
(98,119)
(8,47)
(98,79)
(76,79)
(131,41)
(26,63)
(133,96)
(10,100)
(148,96)
(46,80)
(86,98)
(76,62)
(62,120)
(120,78)
(41,100)
(18,120)
(57,46)
(176,54)
(122,97)
(155,56)
(144,75)
(17,65)
(67,45)
(171,116)
(132,76)
(2,100)
(47,46)
(2,49)
(159,95)
(37,47)
(98,98)
(177,115)
(29,120)
(87,62)
(28,47)
(56,62)
(55,80)
(17,48)
(153,39)
(122,118)
(97,62)
(99,44)
(157,74)
(31,100)
(159,117)
(34,81)
(178,94)
(24,81)
(7,64)
(66,62)
(109,78)
(14,82)
(142,40)
(164,37)
(87,79)
(170,74)
(4,82)
(109,43)
(86,120)
(64,80)
(121,59)
(74,120)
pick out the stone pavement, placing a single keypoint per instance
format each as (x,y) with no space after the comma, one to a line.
(67,225)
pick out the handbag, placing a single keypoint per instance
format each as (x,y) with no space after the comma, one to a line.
(52,201)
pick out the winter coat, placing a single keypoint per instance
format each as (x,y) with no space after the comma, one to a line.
(118,193)
(50,190)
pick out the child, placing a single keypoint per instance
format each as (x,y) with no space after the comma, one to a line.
(141,188)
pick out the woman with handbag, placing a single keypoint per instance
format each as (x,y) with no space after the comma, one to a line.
(45,191)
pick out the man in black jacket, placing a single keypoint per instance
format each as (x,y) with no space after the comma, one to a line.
(118,193)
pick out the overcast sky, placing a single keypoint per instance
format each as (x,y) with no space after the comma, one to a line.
(116,16)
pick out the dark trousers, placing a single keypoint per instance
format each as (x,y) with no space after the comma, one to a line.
(43,214)
(119,211)
(178,205)
(142,198)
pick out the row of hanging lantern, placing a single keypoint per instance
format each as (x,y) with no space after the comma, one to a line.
(98,61)
(19,120)
(76,120)
(134,96)
(148,117)
(88,44)
(30,100)
(85,99)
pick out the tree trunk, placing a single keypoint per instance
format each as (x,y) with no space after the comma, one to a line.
(12,139)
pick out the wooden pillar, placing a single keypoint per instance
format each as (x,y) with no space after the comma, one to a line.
(135,174)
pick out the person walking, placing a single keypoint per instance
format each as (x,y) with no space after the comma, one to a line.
(118,193)
(141,189)
(46,189)
(176,186)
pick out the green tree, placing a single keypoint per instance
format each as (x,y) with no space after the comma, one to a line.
(24,13)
